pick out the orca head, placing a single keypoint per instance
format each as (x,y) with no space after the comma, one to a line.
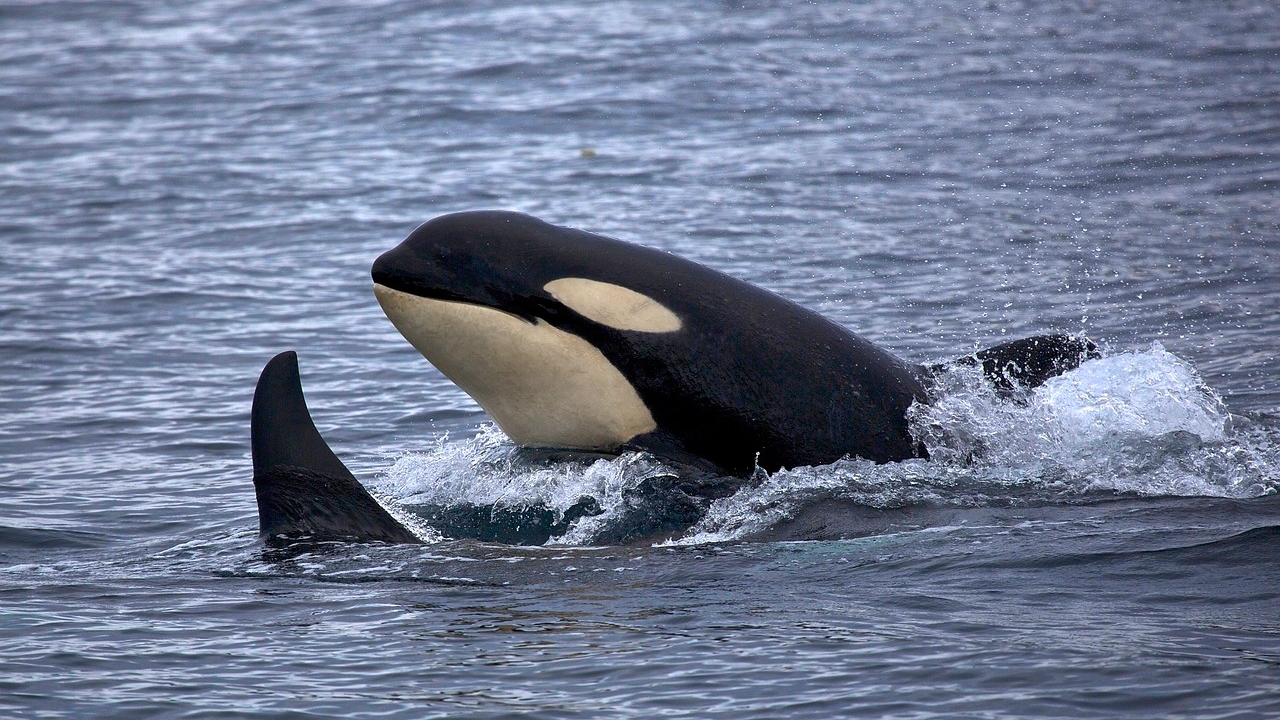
(507,306)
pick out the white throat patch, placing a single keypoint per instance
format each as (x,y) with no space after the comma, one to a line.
(613,305)
(543,386)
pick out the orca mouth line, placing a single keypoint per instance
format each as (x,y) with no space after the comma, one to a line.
(415,286)
(380,291)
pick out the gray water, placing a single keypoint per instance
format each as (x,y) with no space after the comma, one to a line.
(187,189)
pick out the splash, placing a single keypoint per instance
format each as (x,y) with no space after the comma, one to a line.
(1139,395)
(516,486)
(1138,423)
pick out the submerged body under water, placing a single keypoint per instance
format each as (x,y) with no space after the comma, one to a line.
(186,191)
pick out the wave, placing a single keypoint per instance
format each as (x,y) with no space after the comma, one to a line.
(24,538)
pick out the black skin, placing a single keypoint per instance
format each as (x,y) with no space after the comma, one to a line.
(750,380)
(304,491)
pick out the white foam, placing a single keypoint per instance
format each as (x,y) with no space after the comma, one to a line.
(1148,394)
(485,471)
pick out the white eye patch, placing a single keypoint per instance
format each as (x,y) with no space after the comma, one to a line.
(613,305)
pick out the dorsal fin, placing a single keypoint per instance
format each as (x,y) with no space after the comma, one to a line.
(1025,363)
(304,491)
(282,429)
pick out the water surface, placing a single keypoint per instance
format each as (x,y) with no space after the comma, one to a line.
(186,190)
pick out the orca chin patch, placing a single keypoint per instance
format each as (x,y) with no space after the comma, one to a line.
(543,386)
(613,305)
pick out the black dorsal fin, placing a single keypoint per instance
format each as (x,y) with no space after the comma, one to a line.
(1025,363)
(304,491)
(282,429)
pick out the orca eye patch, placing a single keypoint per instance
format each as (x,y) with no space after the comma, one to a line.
(613,305)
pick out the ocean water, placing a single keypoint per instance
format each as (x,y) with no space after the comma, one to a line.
(188,188)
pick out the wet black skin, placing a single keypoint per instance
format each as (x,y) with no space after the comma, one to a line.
(304,491)
(750,379)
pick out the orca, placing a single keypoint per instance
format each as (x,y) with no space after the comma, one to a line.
(578,341)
